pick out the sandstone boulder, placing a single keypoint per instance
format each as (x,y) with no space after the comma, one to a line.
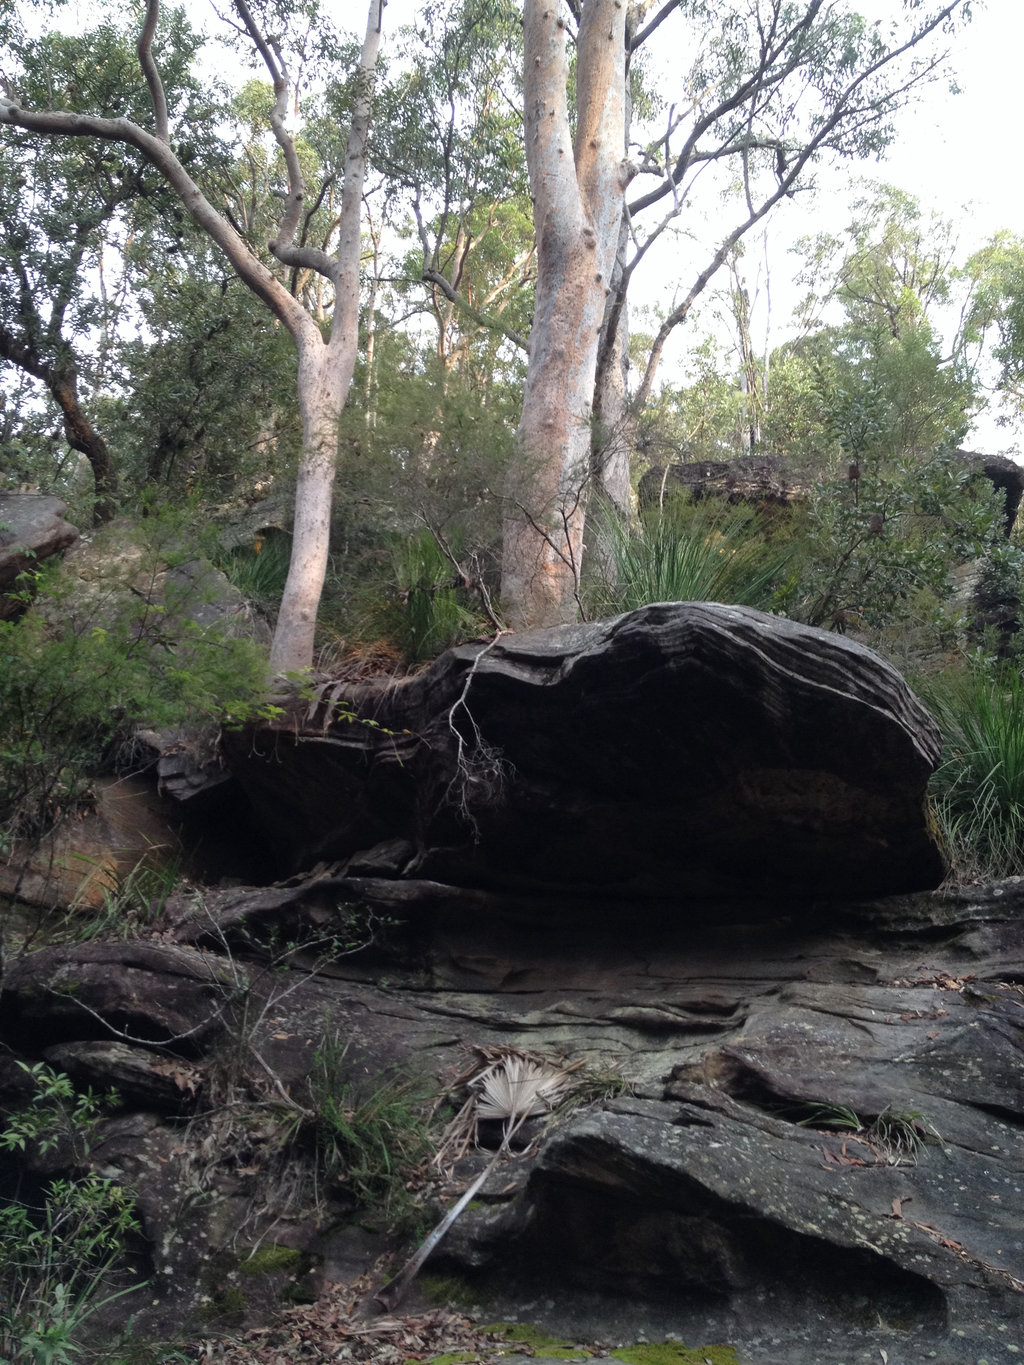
(683,749)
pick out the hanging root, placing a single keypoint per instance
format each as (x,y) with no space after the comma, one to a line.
(481,771)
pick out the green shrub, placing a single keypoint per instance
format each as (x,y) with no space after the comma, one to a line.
(58,1251)
(259,572)
(978,790)
(887,531)
(88,662)
(431,616)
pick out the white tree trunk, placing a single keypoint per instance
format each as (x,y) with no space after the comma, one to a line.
(578,193)
(324,377)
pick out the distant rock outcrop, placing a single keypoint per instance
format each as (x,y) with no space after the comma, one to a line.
(767,481)
(761,479)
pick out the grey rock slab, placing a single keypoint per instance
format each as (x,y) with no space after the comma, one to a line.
(32,528)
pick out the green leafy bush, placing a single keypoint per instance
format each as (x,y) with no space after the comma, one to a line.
(887,531)
(978,790)
(259,572)
(89,662)
(59,1249)
(431,615)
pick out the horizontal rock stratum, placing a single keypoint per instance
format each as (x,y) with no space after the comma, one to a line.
(682,749)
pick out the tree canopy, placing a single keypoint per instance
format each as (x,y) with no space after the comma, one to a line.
(434,222)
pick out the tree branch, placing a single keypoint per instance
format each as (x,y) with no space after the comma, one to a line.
(252,271)
(283,245)
(490,322)
(144,49)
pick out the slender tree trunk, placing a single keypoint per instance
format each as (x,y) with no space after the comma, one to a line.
(325,374)
(578,194)
(82,436)
(322,388)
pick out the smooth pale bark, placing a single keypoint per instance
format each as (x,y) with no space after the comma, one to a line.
(323,381)
(613,427)
(578,194)
(325,367)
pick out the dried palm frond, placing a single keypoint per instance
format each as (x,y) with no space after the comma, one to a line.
(503,1083)
(517,1086)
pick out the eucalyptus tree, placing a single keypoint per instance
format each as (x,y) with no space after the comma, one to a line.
(767,89)
(997,306)
(325,365)
(453,155)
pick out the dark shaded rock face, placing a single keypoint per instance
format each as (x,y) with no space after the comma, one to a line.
(740,1191)
(685,747)
(32,527)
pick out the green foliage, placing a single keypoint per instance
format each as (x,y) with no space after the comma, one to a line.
(57,1253)
(431,615)
(64,203)
(978,790)
(701,552)
(887,531)
(422,468)
(205,400)
(369,1144)
(89,661)
(831,1116)
(997,276)
(259,573)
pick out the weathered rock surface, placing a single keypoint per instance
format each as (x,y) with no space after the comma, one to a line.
(742,1190)
(760,479)
(85,858)
(32,528)
(686,748)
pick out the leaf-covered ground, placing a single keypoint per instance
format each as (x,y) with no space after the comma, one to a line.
(342,1326)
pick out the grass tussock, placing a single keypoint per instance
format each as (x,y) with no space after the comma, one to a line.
(978,790)
(697,553)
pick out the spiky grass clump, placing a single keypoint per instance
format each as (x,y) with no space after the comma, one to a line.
(694,553)
(978,790)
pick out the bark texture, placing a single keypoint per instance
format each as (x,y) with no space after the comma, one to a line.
(578,193)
